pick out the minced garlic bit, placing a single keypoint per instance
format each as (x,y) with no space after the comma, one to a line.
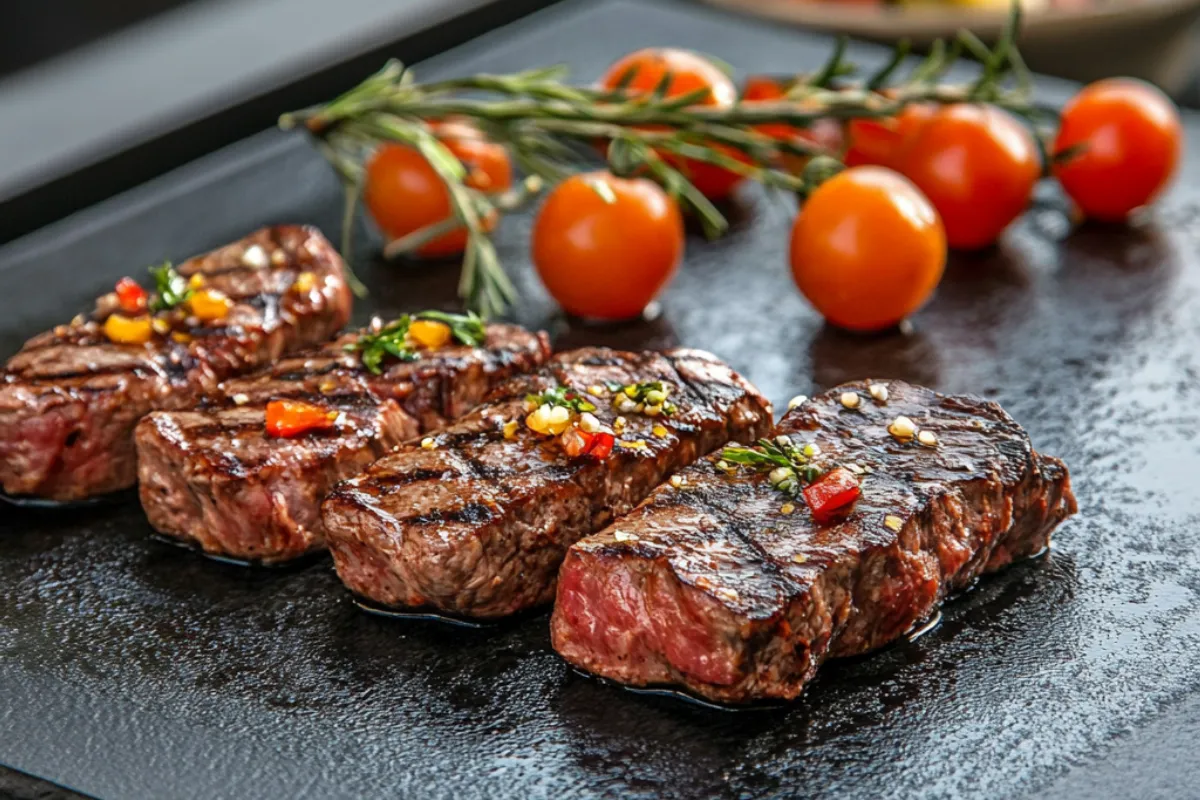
(677,481)
(510,429)
(255,256)
(893,522)
(850,400)
(622,536)
(160,326)
(723,466)
(927,438)
(796,402)
(428,443)
(326,386)
(196,281)
(619,424)
(240,399)
(278,257)
(659,431)
(902,428)
(588,422)
(726,594)
(787,508)
(799,558)
(879,392)
(812,450)
(597,389)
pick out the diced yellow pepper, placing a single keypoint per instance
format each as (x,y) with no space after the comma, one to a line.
(210,305)
(429,334)
(196,281)
(125,330)
(305,282)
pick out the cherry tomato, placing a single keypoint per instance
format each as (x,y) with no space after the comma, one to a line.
(831,493)
(884,141)
(867,249)
(689,72)
(404,194)
(288,418)
(978,166)
(825,133)
(601,259)
(1131,140)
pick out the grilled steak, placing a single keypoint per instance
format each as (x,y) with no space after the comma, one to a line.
(70,398)
(214,477)
(712,586)
(476,522)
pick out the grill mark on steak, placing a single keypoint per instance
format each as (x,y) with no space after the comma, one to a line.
(477,524)
(69,399)
(713,588)
(213,477)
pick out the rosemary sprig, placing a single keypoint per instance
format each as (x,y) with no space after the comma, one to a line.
(170,288)
(789,465)
(549,128)
(392,338)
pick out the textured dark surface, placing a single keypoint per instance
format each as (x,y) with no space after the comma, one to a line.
(130,669)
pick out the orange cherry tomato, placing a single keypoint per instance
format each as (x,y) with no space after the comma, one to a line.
(884,141)
(825,133)
(978,167)
(601,259)
(1131,140)
(289,418)
(404,194)
(689,72)
(867,249)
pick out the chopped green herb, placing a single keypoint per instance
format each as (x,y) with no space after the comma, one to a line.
(170,288)
(392,339)
(562,396)
(788,466)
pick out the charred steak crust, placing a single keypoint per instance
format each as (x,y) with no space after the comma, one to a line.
(479,524)
(212,477)
(70,398)
(711,586)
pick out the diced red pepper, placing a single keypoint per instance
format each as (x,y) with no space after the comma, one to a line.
(288,418)
(576,441)
(602,445)
(831,493)
(130,296)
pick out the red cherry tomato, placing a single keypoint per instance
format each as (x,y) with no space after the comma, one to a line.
(978,166)
(1130,141)
(605,246)
(689,72)
(289,418)
(825,133)
(867,249)
(831,493)
(404,194)
(884,141)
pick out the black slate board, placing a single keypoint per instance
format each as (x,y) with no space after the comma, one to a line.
(130,669)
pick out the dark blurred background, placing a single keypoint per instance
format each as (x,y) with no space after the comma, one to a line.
(102,95)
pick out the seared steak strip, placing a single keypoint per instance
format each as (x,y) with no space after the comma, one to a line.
(70,398)
(216,478)
(727,587)
(476,520)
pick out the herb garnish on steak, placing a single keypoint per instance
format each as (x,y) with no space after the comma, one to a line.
(70,398)
(726,586)
(475,521)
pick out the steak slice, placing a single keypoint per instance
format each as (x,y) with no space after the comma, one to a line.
(70,398)
(713,587)
(477,524)
(215,478)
